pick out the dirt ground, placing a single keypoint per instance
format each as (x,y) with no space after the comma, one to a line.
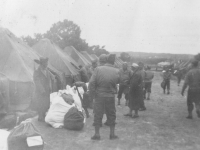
(162,126)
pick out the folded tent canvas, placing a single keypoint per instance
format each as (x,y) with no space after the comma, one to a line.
(77,56)
(58,59)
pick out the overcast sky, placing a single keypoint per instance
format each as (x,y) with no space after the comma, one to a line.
(169,26)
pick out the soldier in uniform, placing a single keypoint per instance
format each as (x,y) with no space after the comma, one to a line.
(125,75)
(83,74)
(102,87)
(166,79)
(43,88)
(102,59)
(192,80)
(143,74)
(136,91)
(92,68)
(148,82)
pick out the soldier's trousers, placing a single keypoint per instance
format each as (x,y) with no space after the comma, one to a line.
(104,105)
(193,98)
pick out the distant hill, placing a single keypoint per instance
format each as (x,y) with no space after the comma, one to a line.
(158,55)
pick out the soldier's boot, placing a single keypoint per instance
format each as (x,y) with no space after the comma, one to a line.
(112,133)
(168,92)
(136,114)
(189,115)
(197,105)
(96,135)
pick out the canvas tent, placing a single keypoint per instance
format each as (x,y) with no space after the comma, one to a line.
(4,94)
(118,62)
(58,59)
(182,65)
(77,56)
(185,64)
(17,65)
(87,56)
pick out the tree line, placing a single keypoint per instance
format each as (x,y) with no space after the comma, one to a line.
(66,33)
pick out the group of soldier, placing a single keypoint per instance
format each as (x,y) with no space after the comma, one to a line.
(134,81)
(192,80)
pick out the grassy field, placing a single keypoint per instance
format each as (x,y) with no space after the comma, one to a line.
(162,126)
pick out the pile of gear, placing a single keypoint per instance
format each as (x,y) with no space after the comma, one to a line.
(66,109)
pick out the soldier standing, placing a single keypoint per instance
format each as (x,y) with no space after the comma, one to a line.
(102,86)
(192,80)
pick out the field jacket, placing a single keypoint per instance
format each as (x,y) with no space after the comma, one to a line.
(103,81)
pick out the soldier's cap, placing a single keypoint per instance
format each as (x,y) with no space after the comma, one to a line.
(103,58)
(111,58)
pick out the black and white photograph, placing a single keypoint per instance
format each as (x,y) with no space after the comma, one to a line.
(99,75)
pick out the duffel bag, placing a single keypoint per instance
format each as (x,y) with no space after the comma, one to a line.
(25,137)
(74,119)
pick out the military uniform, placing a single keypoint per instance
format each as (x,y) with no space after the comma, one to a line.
(43,89)
(192,80)
(143,74)
(124,83)
(166,78)
(102,86)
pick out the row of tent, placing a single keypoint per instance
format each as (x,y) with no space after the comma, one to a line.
(17,66)
(177,65)
(182,65)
